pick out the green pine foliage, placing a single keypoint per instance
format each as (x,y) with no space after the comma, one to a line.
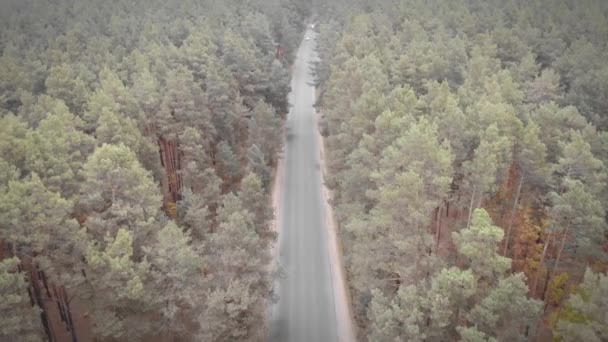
(464,139)
(137,141)
(434,110)
(19,319)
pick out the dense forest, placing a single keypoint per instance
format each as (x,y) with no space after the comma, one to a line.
(467,152)
(137,143)
(466,148)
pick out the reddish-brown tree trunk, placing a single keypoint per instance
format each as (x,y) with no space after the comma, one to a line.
(510,226)
(557,259)
(561,249)
(438,229)
(171,162)
(540,263)
(471,206)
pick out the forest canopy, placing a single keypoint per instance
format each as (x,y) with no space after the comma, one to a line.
(467,150)
(137,143)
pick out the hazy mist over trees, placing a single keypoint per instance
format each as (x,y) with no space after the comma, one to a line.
(467,155)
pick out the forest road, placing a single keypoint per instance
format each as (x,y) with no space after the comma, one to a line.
(306,310)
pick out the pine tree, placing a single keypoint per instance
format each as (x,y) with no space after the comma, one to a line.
(265,131)
(578,162)
(258,164)
(241,282)
(278,88)
(451,119)
(584,315)
(111,85)
(479,303)
(115,129)
(20,321)
(227,314)
(471,334)
(399,319)
(506,311)
(555,124)
(57,151)
(485,167)
(8,173)
(197,51)
(99,103)
(449,297)
(63,83)
(195,215)
(176,272)
(36,222)
(242,251)
(478,244)
(413,178)
(118,193)
(224,100)
(578,218)
(254,200)
(238,56)
(13,141)
(36,108)
(13,79)
(196,157)
(228,164)
(117,287)
(545,88)
(532,168)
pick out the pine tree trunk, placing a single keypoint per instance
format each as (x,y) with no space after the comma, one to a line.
(582,276)
(171,161)
(37,296)
(417,263)
(471,206)
(561,249)
(171,170)
(540,263)
(545,287)
(438,229)
(66,303)
(510,226)
(542,259)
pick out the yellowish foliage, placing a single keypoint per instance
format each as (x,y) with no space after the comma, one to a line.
(558,288)
(527,246)
(171,209)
